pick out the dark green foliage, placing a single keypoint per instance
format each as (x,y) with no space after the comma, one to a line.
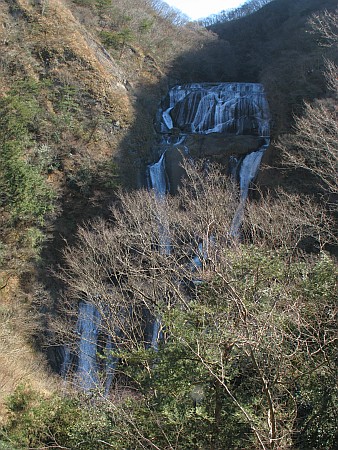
(246,336)
(85,2)
(317,393)
(117,39)
(317,420)
(145,25)
(182,402)
(111,39)
(211,353)
(36,421)
(7,446)
(102,4)
(24,192)
(209,375)
(100,176)
(264,321)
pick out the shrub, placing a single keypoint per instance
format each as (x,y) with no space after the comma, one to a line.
(24,191)
(36,421)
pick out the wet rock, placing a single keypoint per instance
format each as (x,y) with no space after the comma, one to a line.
(215,146)
(175,171)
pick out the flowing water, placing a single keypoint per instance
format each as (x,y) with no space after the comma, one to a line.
(203,108)
(88,326)
(227,108)
(199,108)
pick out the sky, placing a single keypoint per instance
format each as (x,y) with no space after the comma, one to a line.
(197,9)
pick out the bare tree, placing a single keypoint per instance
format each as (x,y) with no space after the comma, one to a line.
(326,25)
(247,8)
(127,266)
(241,295)
(331,77)
(276,221)
(313,144)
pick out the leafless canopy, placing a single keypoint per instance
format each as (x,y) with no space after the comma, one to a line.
(153,255)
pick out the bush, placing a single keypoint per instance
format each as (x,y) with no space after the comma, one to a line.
(36,421)
(25,194)
(117,40)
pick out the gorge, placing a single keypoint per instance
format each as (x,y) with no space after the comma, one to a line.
(167,226)
(233,111)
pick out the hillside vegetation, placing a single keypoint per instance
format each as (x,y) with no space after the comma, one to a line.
(68,99)
(249,348)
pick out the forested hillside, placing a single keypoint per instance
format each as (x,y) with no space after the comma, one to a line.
(244,356)
(69,81)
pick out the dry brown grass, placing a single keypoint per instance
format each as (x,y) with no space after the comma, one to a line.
(58,46)
(76,60)
(74,51)
(19,362)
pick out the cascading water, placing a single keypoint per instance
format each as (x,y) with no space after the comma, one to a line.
(158,177)
(88,326)
(226,108)
(201,108)
(158,182)
(247,173)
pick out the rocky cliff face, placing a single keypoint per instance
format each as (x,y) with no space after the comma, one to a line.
(222,122)
(218,147)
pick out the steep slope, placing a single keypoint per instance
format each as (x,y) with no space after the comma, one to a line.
(74,86)
(80,82)
(67,136)
(275,46)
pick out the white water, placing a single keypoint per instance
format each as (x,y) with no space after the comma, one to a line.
(88,326)
(235,108)
(228,108)
(158,180)
(156,333)
(203,108)
(158,177)
(66,361)
(248,171)
(110,365)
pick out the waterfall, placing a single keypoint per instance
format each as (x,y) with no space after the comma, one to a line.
(203,108)
(88,325)
(158,182)
(66,362)
(110,365)
(247,173)
(227,108)
(158,177)
(156,333)
(199,108)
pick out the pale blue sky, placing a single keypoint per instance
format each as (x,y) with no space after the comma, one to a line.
(197,9)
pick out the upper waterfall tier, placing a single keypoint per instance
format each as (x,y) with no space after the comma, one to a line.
(230,108)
